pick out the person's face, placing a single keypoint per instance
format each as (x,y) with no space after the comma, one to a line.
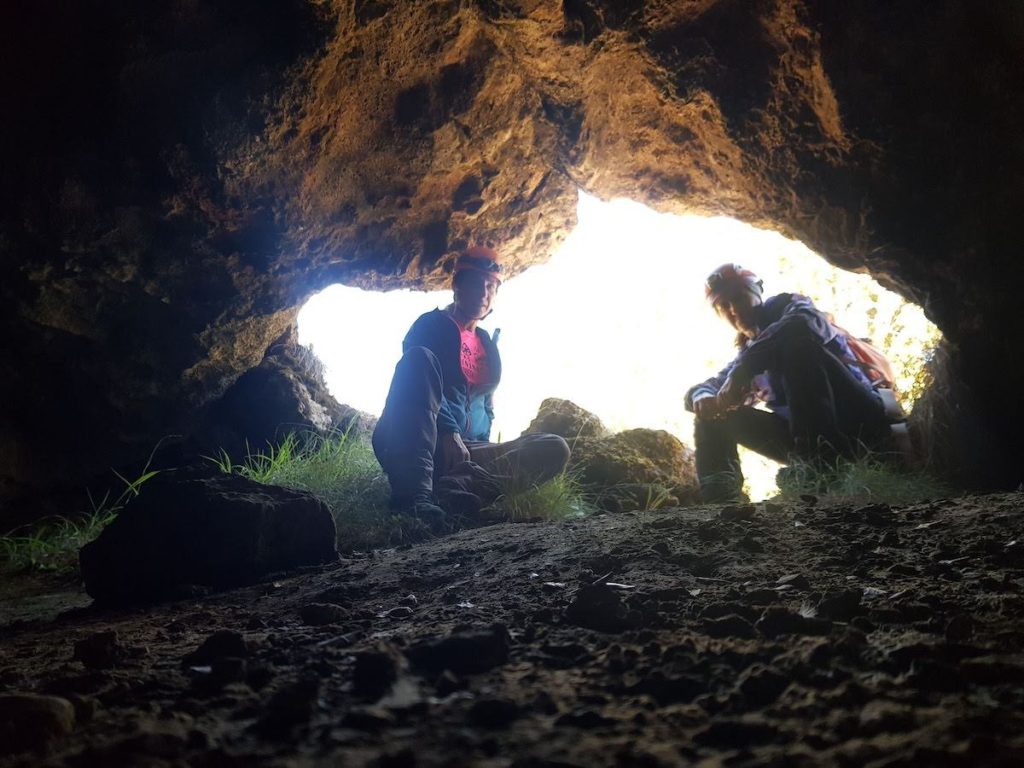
(738,307)
(474,294)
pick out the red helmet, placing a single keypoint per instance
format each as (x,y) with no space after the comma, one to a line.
(728,276)
(479,258)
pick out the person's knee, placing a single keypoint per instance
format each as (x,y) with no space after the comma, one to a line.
(559,452)
(550,454)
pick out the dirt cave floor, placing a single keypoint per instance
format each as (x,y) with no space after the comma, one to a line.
(758,635)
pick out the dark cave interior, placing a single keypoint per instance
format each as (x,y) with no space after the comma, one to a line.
(179,177)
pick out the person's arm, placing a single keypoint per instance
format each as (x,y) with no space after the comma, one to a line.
(707,388)
(799,318)
(421,335)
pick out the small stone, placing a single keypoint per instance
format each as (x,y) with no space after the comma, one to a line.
(890,539)
(223,642)
(596,606)
(368,719)
(878,514)
(794,580)
(761,596)
(289,707)
(736,734)
(399,612)
(225,670)
(102,650)
(322,614)
(448,682)
(411,600)
(28,721)
(882,716)
(463,653)
(586,718)
(736,512)
(777,620)
(749,544)
(376,670)
(840,605)
(959,629)
(729,626)
(864,624)
(762,685)
(493,713)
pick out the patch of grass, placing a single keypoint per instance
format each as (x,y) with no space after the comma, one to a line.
(341,469)
(560,498)
(52,544)
(869,478)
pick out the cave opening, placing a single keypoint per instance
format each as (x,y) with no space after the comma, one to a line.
(617,322)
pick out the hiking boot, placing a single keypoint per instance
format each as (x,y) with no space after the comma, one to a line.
(460,505)
(423,508)
(722,488)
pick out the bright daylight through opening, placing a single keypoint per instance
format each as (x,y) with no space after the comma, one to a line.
(616,321)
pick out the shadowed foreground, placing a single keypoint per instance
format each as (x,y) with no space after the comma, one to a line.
(743,636)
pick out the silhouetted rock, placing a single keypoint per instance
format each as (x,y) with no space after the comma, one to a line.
(215,532)
(463,653)
(31,722)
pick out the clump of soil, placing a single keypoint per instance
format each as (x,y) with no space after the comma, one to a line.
(745,636)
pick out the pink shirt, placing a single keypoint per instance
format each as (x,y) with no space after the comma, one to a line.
(473,357)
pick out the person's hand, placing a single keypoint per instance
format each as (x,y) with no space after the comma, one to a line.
(730,395)
(707,408)
(452,451)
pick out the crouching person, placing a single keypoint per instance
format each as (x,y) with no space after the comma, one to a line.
(822,406)
(433,438)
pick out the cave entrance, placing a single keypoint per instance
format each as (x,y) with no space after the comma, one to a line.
(616,321)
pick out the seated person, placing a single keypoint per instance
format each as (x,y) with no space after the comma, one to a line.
(433,438)
(822,405)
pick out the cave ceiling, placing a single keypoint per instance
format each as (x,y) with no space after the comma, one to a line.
(181,176)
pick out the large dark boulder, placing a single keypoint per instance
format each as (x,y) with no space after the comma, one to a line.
(285,393)
(213,532)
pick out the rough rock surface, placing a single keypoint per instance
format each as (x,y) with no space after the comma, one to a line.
(212,532)
(616,640)
(181,175)
(630,470)
(566,419)
(285,393)
(29,722)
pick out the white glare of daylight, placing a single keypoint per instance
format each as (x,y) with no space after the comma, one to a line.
(616,321)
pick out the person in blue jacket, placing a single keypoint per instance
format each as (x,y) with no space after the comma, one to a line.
(821,405)
(433,438)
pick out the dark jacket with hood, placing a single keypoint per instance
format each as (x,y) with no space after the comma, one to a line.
(464,409)
(778,317)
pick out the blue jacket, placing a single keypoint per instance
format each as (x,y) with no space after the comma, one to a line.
(468,411)
(777,316)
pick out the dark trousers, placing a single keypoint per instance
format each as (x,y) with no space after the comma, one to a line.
(831,414)
(405,439)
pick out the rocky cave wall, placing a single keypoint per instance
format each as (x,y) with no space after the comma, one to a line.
(180,176)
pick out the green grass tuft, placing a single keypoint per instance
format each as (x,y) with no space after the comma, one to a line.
(560,498)
(341,469)
(52,544)
(869,478)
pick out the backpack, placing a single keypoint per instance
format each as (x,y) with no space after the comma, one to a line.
(869,359)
